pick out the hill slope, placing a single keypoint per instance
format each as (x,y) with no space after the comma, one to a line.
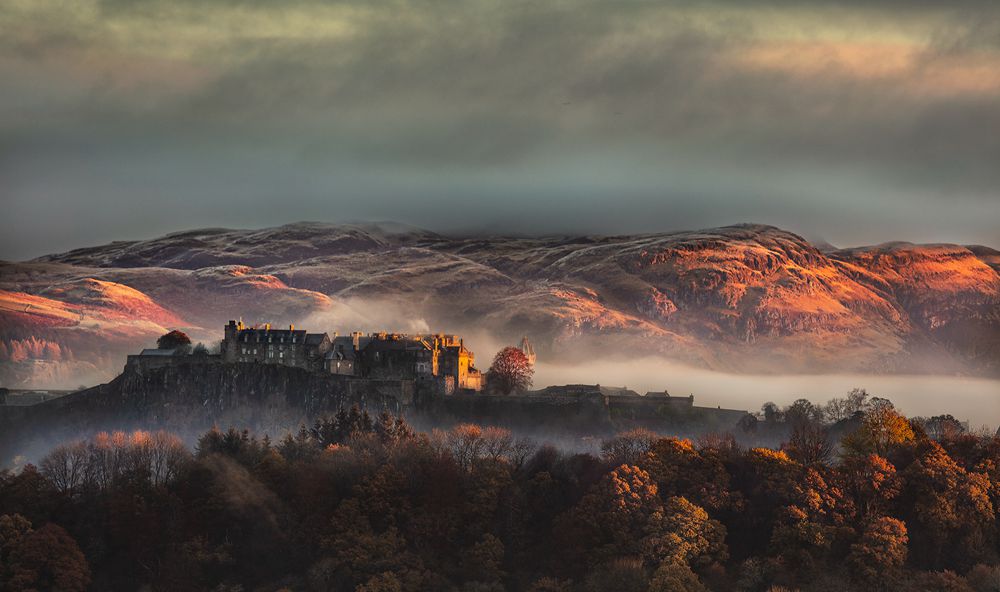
(737,298)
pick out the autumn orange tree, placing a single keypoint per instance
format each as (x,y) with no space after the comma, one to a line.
(511,372)
(949,511)
(882,429)
(879,554)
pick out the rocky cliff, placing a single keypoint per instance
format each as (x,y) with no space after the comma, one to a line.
(188,398)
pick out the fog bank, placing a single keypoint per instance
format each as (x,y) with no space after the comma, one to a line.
(975,400)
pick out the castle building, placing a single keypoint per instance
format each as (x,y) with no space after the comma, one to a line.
(427,358)
(442,362)
(343,357)
(288,347)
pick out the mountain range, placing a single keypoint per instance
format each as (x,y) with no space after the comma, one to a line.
(742,298)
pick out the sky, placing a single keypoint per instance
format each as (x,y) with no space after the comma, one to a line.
(854,122)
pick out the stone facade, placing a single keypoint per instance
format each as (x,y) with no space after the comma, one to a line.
(438,363)
(264,345)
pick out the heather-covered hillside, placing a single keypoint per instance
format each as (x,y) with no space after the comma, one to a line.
(745,298)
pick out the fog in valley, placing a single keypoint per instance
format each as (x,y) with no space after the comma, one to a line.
(976,400)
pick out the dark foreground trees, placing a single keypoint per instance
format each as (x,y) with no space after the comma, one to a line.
(358,502)
(44,559)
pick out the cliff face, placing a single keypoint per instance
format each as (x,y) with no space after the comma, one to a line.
(188,398)
(190,395)
(739,298)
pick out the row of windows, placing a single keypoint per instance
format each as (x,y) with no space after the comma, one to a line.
(270,339)
(270,356)
(248,351)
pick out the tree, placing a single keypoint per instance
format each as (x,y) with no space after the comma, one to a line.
(620,575)
(510,372)
(802,412)
(882,430)
(383,582)
(547,584)
(683,534)
(174,340)
(947,509)
(941,581)
(880,552)
(941,427)
(809,443)
(838,409)
(483,561)
(613,519)
(872,481)
(984,578)
(698,475)
(40,560)
(771,412)
(627,447)
(675,577)
(857,401)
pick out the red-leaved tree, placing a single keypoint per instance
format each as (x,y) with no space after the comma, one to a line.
(511,372)
(173,340)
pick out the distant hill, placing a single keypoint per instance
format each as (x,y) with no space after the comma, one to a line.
(743,298)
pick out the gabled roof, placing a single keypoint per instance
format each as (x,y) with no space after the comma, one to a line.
(342,349)
(315,338)
(338,353)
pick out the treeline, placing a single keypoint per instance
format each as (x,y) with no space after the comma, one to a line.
(362,503)
(33,348)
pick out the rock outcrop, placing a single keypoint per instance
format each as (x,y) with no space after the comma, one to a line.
(188,397)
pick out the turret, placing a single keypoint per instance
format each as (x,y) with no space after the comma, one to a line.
(529,351)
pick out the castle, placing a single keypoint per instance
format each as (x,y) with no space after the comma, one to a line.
(440,361)
(415,370)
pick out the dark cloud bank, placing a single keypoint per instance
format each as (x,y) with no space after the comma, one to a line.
(857,122)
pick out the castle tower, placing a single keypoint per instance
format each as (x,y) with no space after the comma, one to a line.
(528,350)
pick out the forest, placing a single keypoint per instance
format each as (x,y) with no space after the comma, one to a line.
(856,498)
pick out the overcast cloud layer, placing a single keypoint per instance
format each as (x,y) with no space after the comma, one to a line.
(853,121)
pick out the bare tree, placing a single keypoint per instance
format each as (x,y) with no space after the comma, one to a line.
(497,442)
(465,442)
(628,447)
(67,466)
(809,444)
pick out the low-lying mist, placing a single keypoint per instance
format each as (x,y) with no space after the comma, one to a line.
(975,400)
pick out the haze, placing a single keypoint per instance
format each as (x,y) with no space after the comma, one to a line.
(855,122)
(968,399)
